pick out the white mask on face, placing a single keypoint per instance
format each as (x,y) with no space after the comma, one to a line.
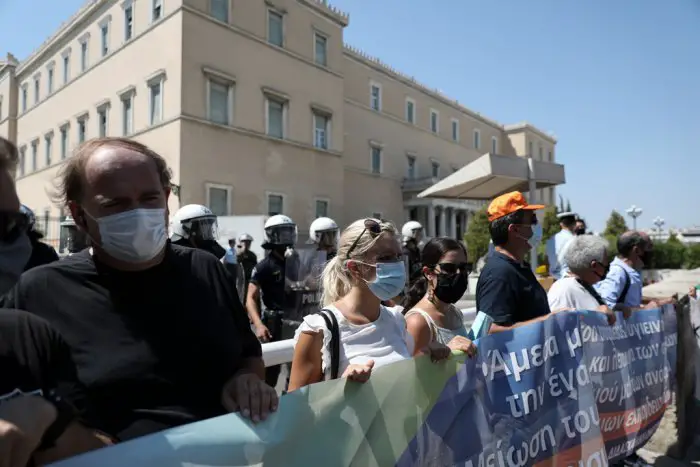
(134,236)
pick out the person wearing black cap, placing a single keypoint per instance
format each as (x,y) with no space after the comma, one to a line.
(556,246)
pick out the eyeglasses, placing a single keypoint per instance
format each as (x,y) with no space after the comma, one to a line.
(12,223)
(454,268)
(371,226)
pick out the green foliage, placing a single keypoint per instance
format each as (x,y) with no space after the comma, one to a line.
(673,238)
(478,236)
(615,226)
(692,256)
(568,206)
(669,254)
(550,223)
(612,249)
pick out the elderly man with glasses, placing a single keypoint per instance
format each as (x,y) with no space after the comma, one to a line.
(587,260)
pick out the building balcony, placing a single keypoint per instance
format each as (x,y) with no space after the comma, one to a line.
(418,184)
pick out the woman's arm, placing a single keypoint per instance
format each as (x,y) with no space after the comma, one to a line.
(419,330)
(306,364)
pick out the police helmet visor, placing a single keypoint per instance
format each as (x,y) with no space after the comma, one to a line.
(203,228)
(418,234)
(282,234)
(328,239)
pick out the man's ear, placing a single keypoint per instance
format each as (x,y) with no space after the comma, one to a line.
(78,215)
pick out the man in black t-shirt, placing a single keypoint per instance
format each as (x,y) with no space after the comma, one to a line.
(508,290)
(158,335)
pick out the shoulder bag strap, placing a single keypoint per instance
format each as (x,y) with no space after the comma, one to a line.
(623,296)
(594,293)
(332,325)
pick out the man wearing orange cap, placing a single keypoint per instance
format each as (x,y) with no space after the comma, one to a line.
(507,290)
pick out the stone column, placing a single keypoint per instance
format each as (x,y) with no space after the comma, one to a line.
(430,227)
(453,223)
(465,221)
(442,217)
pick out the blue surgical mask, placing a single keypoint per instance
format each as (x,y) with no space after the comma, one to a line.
(536,238)
(390,280)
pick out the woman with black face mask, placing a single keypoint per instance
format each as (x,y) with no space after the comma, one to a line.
(431,315)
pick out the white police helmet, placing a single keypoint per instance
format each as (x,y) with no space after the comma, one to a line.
(280,230)
(244,237)
(324,232)
(193,220)
(412,230)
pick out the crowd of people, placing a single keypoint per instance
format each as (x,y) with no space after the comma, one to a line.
(149,323)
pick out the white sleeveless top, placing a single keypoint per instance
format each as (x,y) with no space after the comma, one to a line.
(384,340)
(437,333)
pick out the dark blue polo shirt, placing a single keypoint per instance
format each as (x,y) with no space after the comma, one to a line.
(269,276)
(508,291)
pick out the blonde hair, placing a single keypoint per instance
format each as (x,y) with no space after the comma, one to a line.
(69,184)
(335,278)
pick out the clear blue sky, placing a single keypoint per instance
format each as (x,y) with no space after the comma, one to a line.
(617,81)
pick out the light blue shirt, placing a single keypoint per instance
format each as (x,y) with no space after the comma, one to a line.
(230,257)
(556,246)
(613,285)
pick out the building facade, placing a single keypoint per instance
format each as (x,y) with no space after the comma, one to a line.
(258,106)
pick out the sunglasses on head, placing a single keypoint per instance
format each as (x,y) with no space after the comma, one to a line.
(453,268)
(371,226)
(12,223)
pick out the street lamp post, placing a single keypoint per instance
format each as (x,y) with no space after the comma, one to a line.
(634,212)
(659,223)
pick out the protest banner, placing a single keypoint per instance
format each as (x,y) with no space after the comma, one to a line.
(528,399)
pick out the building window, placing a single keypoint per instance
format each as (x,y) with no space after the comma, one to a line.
(434,119)
(84,55)
(24,98)
(410,111)
(477,139)
(322,128)
(219,9)
(276,116)
(35,154)
(219,199)
(64,142)
(102,121)
(321,208)
(549,156)
(375,100)
(66,68)
(411,175)
(22,160)
(82,129)
(155,89)
(156,10)
(49,80)
(128,21)
(275,28)
(376,162)
(494,145)
(220,102)
(275,204)
(48,146)
(320,49)
(37,90)
(529,149)
(104,38)
(127,114)
(540,152)
(435,166)
(455,130)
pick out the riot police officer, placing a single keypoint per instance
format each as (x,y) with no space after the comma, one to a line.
(75,239)
(246,258)
(323,232)
(41,252)
(412,233)
(268,282)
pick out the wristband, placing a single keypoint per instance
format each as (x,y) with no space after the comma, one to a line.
(65,414)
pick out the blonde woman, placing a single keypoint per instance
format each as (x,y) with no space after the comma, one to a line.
(367,270)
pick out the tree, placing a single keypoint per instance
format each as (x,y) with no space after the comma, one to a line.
(615,226)
(561,204)
(478,235)
(568,206)
(550,223)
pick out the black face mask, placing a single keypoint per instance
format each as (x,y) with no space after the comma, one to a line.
(647,258)
(451,287)
(605,272)
(580,231)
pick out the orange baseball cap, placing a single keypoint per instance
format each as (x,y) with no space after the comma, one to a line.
(508,204)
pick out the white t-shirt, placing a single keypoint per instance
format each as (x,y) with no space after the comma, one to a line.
(385,340)
(568,293)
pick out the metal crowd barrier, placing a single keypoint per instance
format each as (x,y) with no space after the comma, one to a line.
(276,353)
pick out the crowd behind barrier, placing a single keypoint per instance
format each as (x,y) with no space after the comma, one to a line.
(539,395)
